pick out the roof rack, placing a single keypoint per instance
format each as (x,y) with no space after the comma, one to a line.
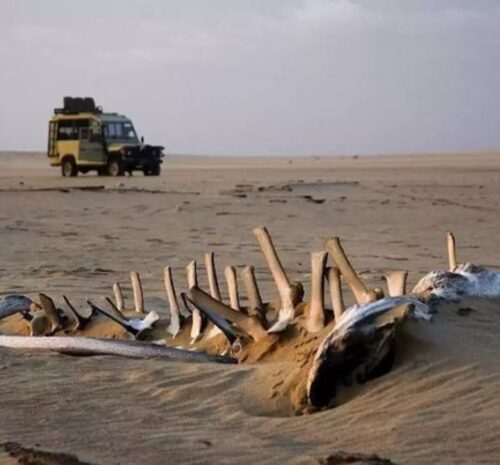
(75,105)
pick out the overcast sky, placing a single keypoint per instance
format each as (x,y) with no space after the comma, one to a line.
(284,77)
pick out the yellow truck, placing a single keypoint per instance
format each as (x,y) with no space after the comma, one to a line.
(82,137)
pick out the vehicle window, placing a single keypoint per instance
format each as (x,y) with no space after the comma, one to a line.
(123,131)
(66,130)
(73,129)
(84,133)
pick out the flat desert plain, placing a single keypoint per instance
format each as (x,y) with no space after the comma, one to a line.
(440,404)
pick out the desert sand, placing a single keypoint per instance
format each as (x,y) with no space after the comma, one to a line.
(441,402)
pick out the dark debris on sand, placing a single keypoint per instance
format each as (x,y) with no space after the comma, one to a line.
(26,456)
(345,458)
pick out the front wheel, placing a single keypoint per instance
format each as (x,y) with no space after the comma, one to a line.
(68,167)
(115,167)
(153,170)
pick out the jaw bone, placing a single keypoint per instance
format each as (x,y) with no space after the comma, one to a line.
(359,290)
(232,287)
(285,290)
(396,282)
(315,319)
(89,346)
(335,288)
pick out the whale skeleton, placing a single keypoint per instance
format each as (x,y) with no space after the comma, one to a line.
(369,325)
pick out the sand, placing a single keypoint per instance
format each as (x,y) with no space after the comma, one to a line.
(441,402)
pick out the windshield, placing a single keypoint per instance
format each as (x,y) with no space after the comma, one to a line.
(120,131)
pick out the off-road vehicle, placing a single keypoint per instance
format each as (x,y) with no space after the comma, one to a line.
(82,137)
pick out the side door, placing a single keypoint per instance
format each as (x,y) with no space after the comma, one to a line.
(91,147)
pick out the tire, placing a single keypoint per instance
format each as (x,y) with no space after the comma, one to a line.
(156,170)
(152,170)
(101,171)
(68,167)
(115,167)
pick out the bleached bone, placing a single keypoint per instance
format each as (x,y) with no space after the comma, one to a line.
(135,279)
(452,253)
(250,325)
(192,274)
(78,321)
(117,291)
(40,326)
(251,288)
(219,324)
(51,312)
(196,320)
(315,319)
(287,310)
(369,327)
(212,275)
(131,325)
(174,325)
(335,288)
(13,303)
(359,290)
(232,287)
(88,346)
(396,282)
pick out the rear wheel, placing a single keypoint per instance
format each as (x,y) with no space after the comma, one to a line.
(115,167)
(68,167)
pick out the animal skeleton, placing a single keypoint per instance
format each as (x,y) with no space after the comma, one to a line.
(345,343)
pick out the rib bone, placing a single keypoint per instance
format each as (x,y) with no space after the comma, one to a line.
(360,291)
(250,325)
(175,318)
(396,282)
(315,320)
(252,290)
(192,279)
(51,312)
(452,254)
(232,287)
(117,291)
(335,288)
(287,311)
(135,279)
(212,276)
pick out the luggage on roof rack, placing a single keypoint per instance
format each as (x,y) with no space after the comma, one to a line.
(74,105)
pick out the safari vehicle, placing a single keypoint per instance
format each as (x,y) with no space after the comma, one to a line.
(82,138)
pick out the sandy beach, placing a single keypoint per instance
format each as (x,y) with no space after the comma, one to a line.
(441,402)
